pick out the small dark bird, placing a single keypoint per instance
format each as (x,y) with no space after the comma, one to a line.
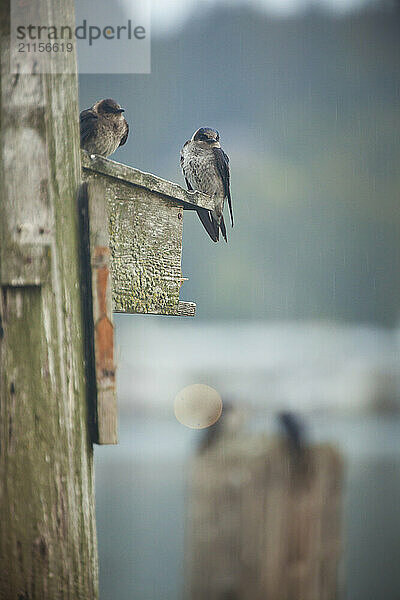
(103,127)
(300,458)
(229,425)
(205,167)
(293,431)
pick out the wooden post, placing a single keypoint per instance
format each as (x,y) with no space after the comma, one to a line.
(263,525)
(47,533)
(96,263)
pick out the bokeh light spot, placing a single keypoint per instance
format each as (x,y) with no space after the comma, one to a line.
(198,406)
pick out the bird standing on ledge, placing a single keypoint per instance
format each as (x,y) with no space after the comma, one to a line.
(103,127)
(205,167)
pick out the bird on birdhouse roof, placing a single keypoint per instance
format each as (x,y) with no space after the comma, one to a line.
(205,167)
(103,127)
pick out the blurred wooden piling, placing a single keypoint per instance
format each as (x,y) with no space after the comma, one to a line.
(263,524)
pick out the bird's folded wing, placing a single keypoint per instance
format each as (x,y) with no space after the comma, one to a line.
(125,136)
(222,162)
(88,121)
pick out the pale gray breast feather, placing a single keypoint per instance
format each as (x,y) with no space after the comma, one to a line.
(199,168)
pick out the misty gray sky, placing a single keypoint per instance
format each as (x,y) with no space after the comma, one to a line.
(171,14)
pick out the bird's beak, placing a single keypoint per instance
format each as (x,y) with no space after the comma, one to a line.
(120,110)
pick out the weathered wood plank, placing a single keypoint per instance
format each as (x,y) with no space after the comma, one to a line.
(24,264)
(263,525)
(48,543)
(186,309)
(100,354)
(148,181)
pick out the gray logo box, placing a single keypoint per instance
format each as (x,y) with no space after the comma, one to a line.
(108,36)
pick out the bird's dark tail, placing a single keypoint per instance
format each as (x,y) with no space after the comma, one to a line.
(209,224)
(223,228)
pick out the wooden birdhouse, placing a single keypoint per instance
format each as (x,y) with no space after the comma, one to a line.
(132,224)
(145,224)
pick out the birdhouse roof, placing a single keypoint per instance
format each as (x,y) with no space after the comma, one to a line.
(172,191)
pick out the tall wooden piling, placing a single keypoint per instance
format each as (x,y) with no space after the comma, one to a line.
(47,525)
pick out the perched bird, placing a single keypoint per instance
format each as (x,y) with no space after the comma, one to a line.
(205,167)
(229,426)
(293,431)
(103,127)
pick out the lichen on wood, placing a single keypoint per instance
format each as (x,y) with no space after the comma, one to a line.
(145,232)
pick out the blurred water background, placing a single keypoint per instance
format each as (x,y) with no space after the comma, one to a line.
(343,380)
(300,310)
